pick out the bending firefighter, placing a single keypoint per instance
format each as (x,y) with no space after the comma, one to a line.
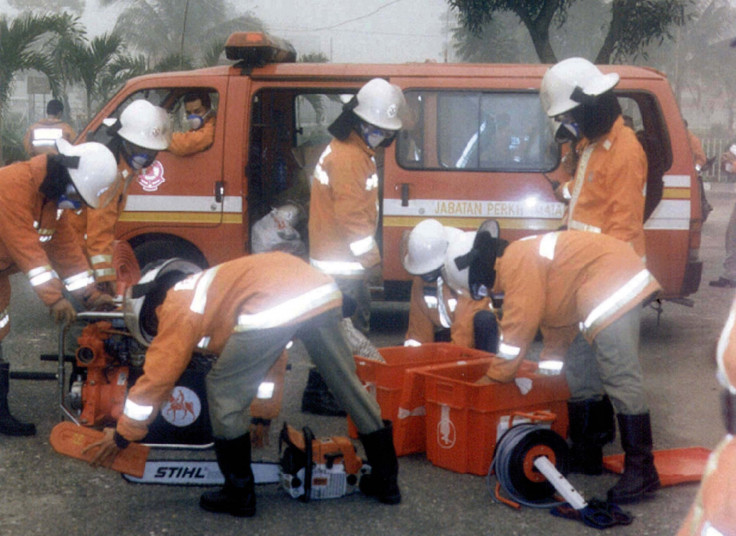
(36,238)
(436,311)
(245,312)
(561,282)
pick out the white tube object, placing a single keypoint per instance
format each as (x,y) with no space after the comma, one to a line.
(561,484)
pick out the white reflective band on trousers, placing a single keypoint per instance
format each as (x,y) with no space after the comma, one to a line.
(362,246)
(136,412)
(338,268)
(4,318)
(42,274)
(289,310)
(80,280)
(615,301)
(507,351)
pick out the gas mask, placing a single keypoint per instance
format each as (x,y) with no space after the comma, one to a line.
(197,121)
(481,259)
(138,157)
(70,199)
(375,136)
(569,129)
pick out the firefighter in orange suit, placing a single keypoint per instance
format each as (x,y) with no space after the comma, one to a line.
(714,511)
(141,132)
(565,281)
(41,136)
(202,120)
(343,208)
(37,239)
(607,192)
(245,312)
(435,308)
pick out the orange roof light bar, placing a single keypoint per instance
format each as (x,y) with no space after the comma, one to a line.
(258,48)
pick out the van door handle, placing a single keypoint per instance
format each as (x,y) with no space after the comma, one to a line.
(404,194)
(219,191)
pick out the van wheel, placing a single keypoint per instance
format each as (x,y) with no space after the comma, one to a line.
(158,250)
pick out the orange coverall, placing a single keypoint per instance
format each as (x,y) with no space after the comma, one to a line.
(95,228)
(193,141)
(267,297)
(697,149)
(563,281)
(343,209)
(607,193)
(714,511)
(32,231)
(427,314)
(44,141)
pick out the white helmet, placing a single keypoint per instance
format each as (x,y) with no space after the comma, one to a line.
(379,103)
(142,299)
(425,247)
(563,78)
(457,278)
(95,173)
(145,125)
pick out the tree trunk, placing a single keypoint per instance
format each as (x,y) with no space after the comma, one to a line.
(614,30)
(2,159)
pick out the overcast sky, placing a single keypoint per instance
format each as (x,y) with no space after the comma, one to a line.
(344,30)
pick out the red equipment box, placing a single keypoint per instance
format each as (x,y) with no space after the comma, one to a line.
(387,381)
(464,420)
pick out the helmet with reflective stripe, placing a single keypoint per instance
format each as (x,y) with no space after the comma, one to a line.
(426,246)
(379,103)
(94,173)
(145,125)
(565,83)
(142,299)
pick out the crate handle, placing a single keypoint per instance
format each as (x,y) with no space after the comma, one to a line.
(538,416)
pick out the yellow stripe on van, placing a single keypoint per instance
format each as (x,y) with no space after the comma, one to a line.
(181,217)
(676,193)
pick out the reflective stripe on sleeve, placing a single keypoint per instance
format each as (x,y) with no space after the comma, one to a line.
(42,274)
(104,272)
(412,342)
(46,137)
(289,310)
(580,226)
(339,268)
(265,390)
(362,246)
(99,259)
(710,530)
(616,300)
(4,318)
(507,351)
(137,412)
(319,173)
(80,280)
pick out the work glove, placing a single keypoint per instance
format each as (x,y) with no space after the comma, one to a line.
(99,301)
(63,312)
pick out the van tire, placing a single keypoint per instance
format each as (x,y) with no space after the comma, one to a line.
(157,250)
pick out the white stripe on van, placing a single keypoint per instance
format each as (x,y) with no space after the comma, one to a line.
(676,181)
(182,203)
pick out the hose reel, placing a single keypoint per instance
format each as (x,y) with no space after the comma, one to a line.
(519,460)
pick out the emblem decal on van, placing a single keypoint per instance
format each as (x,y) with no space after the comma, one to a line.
(152,177)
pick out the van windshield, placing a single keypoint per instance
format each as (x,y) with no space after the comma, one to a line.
(477,131)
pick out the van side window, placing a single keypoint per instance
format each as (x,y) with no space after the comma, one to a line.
(477,131)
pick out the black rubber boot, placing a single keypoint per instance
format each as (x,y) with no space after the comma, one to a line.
(591,427)
(237,497)
(640,475)
(317,398)
(382,481)
(9,425)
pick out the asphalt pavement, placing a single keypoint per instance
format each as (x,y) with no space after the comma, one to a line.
(46,493)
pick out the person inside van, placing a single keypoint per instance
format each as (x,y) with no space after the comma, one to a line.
(201,119)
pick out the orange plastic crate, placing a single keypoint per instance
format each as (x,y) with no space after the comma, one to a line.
(464,419)
(386,381)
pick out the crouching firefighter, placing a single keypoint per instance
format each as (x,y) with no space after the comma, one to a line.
(562,282)
(37,239)
(245,312)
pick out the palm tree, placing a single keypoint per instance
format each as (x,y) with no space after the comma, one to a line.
(164,28)
(22,44)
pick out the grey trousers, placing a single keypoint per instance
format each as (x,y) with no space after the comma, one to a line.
(729,264)
(233,381)
(609,366)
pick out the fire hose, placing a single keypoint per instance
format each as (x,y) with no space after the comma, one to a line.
(528,464)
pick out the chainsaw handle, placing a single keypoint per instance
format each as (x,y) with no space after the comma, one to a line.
(537,416)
